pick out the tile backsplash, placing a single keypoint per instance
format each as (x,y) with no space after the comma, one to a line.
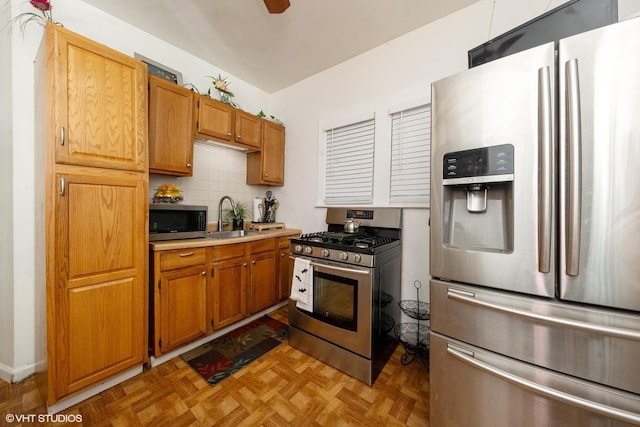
(218,171)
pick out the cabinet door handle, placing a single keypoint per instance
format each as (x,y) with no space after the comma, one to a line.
(238,136)
(244,265)
(204,273)
(63,185)
(62,136)
(253,262)
(189,165)
(186,254)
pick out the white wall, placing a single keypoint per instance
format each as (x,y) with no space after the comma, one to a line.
(6,195)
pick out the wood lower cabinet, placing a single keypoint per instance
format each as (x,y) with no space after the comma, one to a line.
(262,274)
(285,268)
(91,177)
(97,311)
(179,304)
(266,167)
(171,128)
(230,280)
(196,291)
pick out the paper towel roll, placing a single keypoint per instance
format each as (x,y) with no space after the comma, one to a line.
(257,209)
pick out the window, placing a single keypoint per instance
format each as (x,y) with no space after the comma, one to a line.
(349,162)
(410,155)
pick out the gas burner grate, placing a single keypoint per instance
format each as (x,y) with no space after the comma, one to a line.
(346,239)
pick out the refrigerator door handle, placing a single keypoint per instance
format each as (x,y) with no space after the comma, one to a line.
(548,392)
(545,140)
(574,181)
(470,298)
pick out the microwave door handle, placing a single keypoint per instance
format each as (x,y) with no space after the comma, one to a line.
(574,181)
(548,392)
(545,142)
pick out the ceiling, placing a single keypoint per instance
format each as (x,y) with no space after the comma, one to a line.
(274,51)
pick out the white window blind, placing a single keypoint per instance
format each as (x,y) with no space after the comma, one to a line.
(410,155)
(349,163)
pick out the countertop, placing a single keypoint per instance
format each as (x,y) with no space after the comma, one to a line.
(165,245)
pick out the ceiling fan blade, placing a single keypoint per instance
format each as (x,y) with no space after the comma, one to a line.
(276,6)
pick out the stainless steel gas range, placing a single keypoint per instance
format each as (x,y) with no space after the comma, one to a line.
(353,290)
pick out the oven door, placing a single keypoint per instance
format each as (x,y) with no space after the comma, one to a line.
(342,300)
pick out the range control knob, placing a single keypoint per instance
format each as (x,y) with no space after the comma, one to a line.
(308,250)
(344,256)
(356,257)
(297,248)
(325,253)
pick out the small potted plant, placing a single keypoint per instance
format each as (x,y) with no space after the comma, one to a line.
(237,217)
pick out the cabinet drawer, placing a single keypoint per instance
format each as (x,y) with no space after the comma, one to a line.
(172,260)
(228,251)
(284,242)
(262,245)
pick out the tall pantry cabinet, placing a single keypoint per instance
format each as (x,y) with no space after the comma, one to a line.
(92,177)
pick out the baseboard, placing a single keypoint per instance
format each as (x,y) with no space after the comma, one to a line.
(155,361)
(12,375)
(61,405)
(6,373)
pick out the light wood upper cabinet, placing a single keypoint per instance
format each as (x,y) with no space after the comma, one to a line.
(171,128)
(248,129)
(97,309)
(214,119)
(222,122)
(266,167)
(100,114)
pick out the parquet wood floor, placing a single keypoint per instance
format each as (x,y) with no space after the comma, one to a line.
(283,388)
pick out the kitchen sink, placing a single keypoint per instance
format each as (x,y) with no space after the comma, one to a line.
(231,234)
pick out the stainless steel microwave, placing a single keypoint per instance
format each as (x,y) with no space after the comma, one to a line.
(175,221)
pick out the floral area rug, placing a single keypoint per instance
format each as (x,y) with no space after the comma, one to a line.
(226,355)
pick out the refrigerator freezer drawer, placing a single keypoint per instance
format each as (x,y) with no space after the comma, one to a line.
(598,345)
(474,387)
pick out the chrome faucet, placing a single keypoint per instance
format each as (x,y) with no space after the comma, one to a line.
(233,207)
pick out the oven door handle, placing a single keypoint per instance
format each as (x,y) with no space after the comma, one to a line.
(333,267)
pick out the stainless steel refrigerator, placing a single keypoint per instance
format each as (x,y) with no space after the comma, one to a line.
(535,237)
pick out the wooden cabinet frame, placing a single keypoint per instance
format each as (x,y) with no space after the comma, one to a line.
(266,167)
(171,128)
(92,177)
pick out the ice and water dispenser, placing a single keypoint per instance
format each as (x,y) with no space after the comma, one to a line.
(478,199)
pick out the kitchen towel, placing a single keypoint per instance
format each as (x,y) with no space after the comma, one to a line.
(302,284)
